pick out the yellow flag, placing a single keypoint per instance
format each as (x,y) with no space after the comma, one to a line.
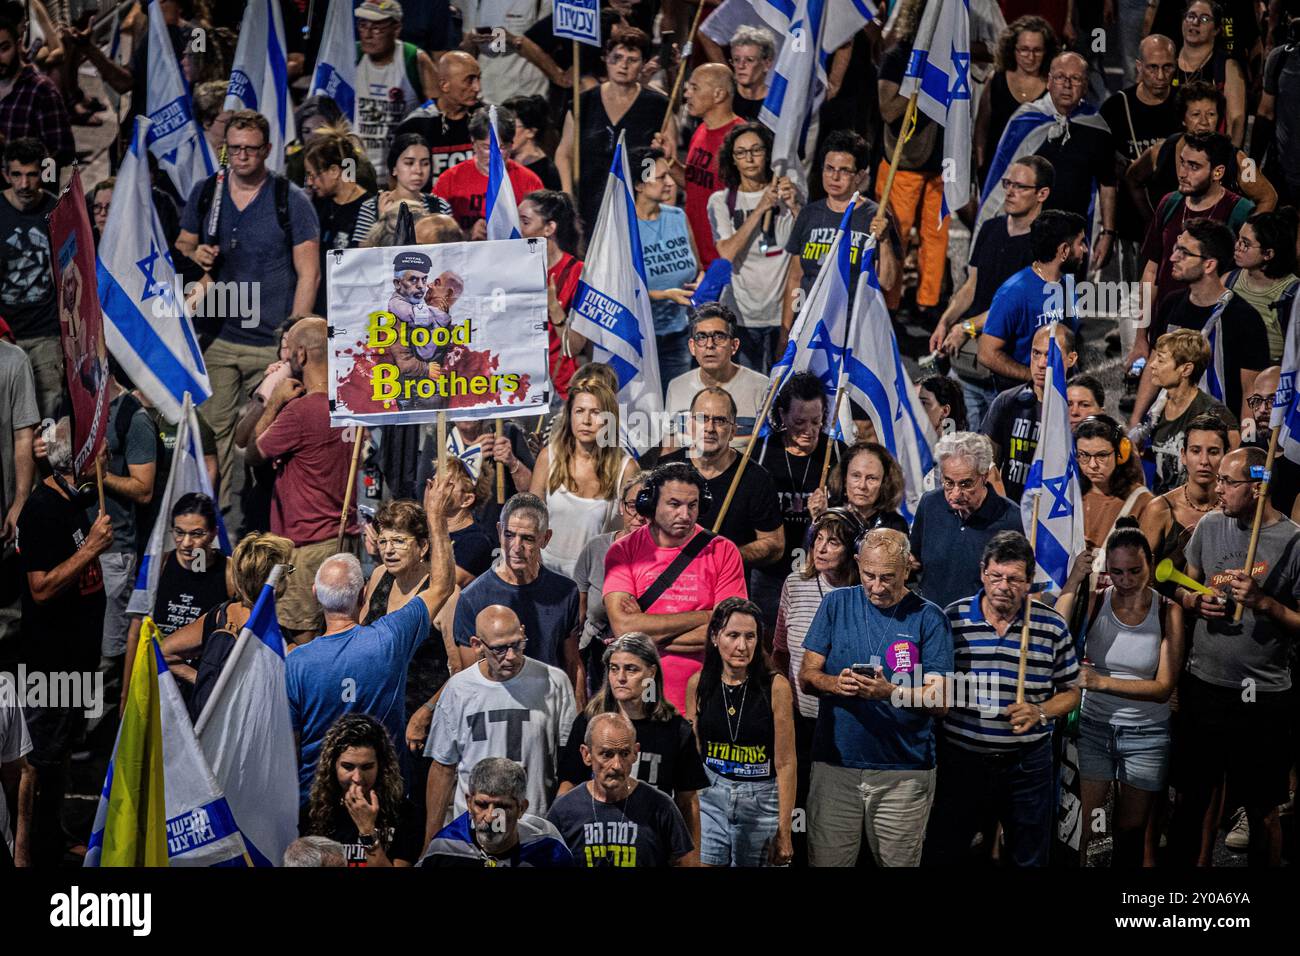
(135,831)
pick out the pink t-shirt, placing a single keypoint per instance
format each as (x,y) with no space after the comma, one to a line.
(635,562)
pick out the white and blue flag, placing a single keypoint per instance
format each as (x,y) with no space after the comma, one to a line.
(145,325)
(1212,380)
(1032,125)
(1054,481)
(188,475)
(877,380)
(259,80)
(201,830)
(611,307)
(1286,407)
(175,137)
(502,210)
(940,67)
(813,30)
(247,737)
(336,63)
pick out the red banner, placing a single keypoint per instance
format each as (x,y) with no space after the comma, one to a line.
(81,324)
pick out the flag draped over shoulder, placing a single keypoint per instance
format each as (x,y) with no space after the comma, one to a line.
(175,137)
(812,31)
(1054,481)
(259,79)
(611,307)
(160,805)
(940,69)
(1032,125)
(246,735)
(1286,408)
(502,211)
(188,474)
(145,325)
(335,75)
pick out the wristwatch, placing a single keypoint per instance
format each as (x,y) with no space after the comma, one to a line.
(1042,717)
(368,840)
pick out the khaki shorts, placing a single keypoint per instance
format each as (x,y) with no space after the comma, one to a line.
(297,609)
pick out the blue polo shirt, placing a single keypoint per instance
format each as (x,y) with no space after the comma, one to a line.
(950,549)
(909,640)
(1024,304)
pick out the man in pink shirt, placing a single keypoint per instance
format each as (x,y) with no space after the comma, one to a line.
(311,470)
(674,613)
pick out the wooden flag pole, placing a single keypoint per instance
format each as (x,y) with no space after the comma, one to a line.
(99,481)
(501,470)
(744,459)
(1259,514)
(357,439)
(1029,598)
(577,128)
(442,441)
(682,57)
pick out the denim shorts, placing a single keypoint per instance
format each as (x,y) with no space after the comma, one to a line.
(1136,756)
(737,820)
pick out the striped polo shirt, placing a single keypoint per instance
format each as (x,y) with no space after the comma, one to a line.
(986,665)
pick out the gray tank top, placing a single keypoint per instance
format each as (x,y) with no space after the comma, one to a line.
(1124,652)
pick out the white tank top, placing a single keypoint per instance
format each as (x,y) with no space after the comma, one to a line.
(575,520)
(1124,652)
(384,97)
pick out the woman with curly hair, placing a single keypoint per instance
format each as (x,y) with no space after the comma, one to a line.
(356,796)
(1025,50)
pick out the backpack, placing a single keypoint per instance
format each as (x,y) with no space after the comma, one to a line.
(281,187)
(1241,210)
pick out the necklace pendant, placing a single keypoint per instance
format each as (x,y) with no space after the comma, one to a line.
(731,712)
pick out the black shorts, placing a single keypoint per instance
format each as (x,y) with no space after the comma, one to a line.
(1217,734)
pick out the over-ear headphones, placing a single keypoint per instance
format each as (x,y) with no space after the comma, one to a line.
(647,499)
(856,528)
(1124,447)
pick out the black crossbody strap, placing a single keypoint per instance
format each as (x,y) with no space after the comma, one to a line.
(674,570)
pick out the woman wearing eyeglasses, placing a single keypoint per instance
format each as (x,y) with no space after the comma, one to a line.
(581,472)
(1025,50)
(672,264)
(1111,478)
(1266,269)
(1202,58)
(869,483)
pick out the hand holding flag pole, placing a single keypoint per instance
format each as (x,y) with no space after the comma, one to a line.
(1029,598)
(1260,505)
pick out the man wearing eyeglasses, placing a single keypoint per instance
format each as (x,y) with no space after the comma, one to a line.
(504,705)
(713,343)
(1235,710)
(995,755)
(1284,486)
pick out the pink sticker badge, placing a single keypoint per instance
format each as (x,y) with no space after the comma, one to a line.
(901,657)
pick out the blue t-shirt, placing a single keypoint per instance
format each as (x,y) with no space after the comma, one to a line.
(547,608)
(669,264)
(1024,304)
(908,641)
(255,249)
(362,670)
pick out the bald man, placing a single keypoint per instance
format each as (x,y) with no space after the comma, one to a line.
(1139,117)
(506,705)
(311,469)
(709,95)
(1284,485)
(444,121)
(393,78)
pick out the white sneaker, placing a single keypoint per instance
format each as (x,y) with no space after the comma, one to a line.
(1238,837)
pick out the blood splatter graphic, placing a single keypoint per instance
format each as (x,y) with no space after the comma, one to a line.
(354,392)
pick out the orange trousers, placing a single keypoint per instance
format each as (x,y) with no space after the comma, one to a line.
(918,194)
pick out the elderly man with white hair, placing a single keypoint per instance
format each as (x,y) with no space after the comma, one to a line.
(955,521)
(355,668)
(877,655)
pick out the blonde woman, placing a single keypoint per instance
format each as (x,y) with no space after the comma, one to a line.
(580,473)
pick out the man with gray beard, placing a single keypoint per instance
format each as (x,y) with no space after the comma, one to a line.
(63,619)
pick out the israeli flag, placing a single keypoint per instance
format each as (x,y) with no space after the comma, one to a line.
(1032,125)
(175,137)
(145,325)
(336,63)
(1286,409)
(113,51)
(502,210)
(188,474)
(200,829)
(259,80)
(816,342)
(612,305)
(1212,379)
(940,69)
(877,380)
(813,30)
(1054,482)
(247,737)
